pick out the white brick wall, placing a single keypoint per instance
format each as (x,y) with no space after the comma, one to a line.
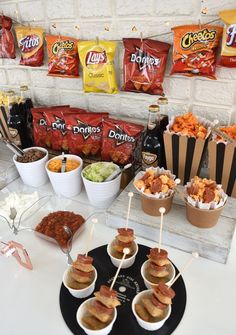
(214,99)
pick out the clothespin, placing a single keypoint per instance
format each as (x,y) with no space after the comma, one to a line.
(14,249)
(97,40)
(141,37)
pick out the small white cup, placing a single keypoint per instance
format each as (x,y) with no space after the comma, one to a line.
(67,184)
(149,284)
(84,292)
(33,173)
(82,310)
(144,324)
(102,194)
(128,262)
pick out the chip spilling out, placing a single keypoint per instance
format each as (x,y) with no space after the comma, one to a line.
(228,48)
(30,42)
(63,60)
(7,46)
(144,65)
(120,139)
(97,59)
(194,52)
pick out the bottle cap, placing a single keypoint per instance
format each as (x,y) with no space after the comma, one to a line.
(153,108)
(162,101)
(10,93)
(23,88)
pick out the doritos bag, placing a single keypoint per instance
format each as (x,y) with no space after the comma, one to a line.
(30,42)
(144,65)
(41,135)
(85,133)
(194,51)
(7,46)
(98,68)
(63,60)
(228,48)
(120,140)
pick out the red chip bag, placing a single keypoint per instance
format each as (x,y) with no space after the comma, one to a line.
(30,42)
(144,65)
(42,137)
(228,47)
(63,59)
(120,140)
(85,133)
(7,46)
(194,52)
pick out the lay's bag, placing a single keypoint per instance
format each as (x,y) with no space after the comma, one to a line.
(30,42)
(228,48)
(97,59)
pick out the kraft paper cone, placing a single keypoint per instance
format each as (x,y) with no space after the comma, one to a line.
(203,218)
(151,205)
(222,165)
(184,155)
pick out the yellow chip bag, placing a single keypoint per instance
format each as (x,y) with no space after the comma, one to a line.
(97,59)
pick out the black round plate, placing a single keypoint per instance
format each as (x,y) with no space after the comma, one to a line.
(128,284)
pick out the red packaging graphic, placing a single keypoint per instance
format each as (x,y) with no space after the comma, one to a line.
(144,65)
(7,46)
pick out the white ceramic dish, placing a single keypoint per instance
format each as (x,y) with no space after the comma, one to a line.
(149,284)
(127,261)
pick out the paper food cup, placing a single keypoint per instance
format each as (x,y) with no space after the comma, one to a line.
(149,284)
(80,313)
(151,326)
(222,165)
(184,155)
(128,262)
(203,218)
(33,173)
(102,194)
(151,206)
(82,293)
(67,184)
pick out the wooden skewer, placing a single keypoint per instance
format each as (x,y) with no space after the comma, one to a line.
(126,251)
(94,221)
(130,194)
(181,194)
(162,210)
(187,264)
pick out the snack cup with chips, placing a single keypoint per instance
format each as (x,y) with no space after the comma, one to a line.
(204,203)
(151,326)
(82,311)
(155,193)
(67,184)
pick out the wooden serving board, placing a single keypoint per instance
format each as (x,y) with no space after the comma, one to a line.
(212,243)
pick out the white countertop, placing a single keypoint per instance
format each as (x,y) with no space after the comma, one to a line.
(30,299)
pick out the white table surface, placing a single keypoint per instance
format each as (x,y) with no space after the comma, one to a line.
(29,300)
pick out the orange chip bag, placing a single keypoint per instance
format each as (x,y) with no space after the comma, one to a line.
(228,48)
(30,42)
(63,60)
(98,68)
(194,51)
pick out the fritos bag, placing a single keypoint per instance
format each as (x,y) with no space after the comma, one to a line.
(85,133)
(7,46)
(63,60)
(194,51)
(144,65)
(120,140)
(98,67)
(228,47)
(30,42)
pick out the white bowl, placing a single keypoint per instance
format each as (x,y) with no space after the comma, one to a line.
(149,284)
(102,194)
(69,183)
(144,324)
(84,292)
(127,261)
(33,173)
(82,310)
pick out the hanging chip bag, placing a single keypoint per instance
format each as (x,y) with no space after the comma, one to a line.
(63,60)
(7,46)
(97,59)
(228,48)
(144,65)
(194,51)
(30,42)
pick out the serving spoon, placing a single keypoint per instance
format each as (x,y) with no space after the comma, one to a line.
(116,173)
